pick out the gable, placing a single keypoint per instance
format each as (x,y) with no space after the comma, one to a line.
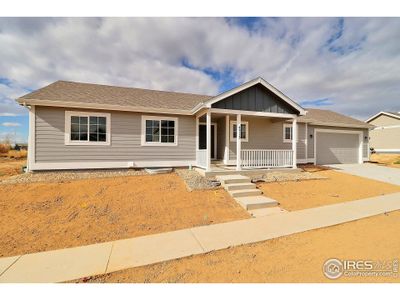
(385,120)
(256,98)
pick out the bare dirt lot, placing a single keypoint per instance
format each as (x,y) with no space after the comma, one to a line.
(295,258)
(338,187)
(389,160)
(44,216)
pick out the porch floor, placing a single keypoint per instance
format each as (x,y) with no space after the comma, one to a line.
(218,168)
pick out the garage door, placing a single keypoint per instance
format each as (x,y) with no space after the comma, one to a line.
(337,148)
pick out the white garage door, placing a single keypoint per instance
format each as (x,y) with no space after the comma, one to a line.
(337,148)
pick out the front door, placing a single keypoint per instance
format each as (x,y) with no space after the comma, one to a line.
(203,139)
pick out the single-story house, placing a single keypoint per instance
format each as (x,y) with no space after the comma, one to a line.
(85,126)
(385,136)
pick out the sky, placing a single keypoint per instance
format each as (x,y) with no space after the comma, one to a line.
(349,65)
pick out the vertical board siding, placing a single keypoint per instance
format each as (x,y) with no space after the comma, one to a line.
(255,98)
(125,140)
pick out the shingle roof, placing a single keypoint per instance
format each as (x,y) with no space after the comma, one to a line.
(88,93)
(111,95)
(331,118)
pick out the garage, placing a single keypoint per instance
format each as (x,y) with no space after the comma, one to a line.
(337,147)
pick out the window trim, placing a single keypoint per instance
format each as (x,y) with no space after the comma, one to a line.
(285,125)
(69,114)
(159,118)
(231,131)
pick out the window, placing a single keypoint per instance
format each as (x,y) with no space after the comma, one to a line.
(244,131)
(287,133)
(159,131)
(83,128)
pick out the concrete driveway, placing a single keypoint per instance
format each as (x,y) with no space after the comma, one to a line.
(371,171)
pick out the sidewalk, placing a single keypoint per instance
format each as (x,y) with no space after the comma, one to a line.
(73,263)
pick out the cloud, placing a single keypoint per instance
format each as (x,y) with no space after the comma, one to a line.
(8,115)
(10,124)
(317,102)
(355,61)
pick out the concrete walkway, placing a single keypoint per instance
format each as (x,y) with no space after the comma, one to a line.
(73,263)
(371,171)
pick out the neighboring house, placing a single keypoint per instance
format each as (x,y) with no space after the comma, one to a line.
(385,137)
(79,126)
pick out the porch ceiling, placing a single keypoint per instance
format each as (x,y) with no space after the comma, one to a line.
(218,116)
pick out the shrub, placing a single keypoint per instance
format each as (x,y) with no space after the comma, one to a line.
(4,148)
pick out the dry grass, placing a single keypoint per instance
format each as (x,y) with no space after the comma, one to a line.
(11,167)
(295,258)
(389,160)
(45,216)
(338,187)
(18,154)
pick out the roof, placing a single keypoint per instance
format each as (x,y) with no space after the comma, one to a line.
(387,113)
(88,93)
(331,118)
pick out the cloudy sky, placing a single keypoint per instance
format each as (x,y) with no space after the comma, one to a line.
(350,65)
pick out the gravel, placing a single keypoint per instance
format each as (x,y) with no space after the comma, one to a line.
(61,176)
(194,181)
(285,176)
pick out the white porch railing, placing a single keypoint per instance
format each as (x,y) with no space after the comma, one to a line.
(261,158)
(201,158)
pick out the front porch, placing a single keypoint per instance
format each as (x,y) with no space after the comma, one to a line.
(259,138)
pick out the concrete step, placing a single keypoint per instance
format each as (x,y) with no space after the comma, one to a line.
(228,179)
(245,193)
(256,202)
(240,186)
(267,211)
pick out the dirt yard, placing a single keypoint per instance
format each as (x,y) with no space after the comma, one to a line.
(11,166)
(44,216)
(389,160)
(295,258)
(338,187)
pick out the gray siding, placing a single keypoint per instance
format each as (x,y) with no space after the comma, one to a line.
(266,134)
(125,140)
(310,141)
(256,98)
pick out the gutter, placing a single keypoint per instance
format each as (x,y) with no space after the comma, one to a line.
(96,106)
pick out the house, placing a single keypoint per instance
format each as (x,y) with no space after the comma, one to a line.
(385,136)
(85,126)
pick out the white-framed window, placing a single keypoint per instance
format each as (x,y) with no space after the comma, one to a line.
(244,131)
(287,133)
(87,128)
(159,131)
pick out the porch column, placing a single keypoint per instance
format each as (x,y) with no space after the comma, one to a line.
(208,137)
(238,142)
(197,140)
(294,142)
(226,153)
